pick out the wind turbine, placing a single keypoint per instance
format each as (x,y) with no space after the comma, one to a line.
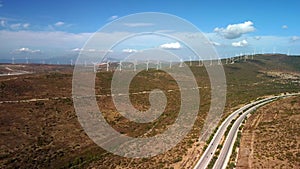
(95,66)
(134,65)
(241,56)
(158,65)
(200,62)
(147,65)
(71,62)
(120,65)
(219,61)
(12,60)
(27,62)
(288,53)
(254,53)
(181,63)
(107,66)
(170,64)
(232,60)
(190,61)
(211,62)
(245,57)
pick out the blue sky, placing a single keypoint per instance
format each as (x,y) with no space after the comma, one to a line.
(55,28)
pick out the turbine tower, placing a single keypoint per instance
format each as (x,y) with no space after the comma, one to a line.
(232,60)
(200,62)
(134,65)
(120,65)
(107,66)
(219,61)
(170,64)
(158,65)
(147,65)
(12,60)
(181,63)
(95,67)
(254,53)
(245,57)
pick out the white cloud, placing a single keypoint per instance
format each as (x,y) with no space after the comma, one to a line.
(59,43)
(284,27)
(15,26)
(46,41)
(240,43)
(129,50)
(26,50)
(257,37)
(138,24)
(3,23)
(215,43)
(234,31)
(90,50)
(175,45)
(26,25)
(59,23)
(76,50)
(113,17)
(295,38)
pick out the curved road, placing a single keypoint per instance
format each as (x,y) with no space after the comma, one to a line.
(225,153)
(228,145)
(226,150)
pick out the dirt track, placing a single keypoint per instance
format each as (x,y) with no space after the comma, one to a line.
(271,136)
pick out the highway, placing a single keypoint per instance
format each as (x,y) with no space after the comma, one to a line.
(225,153)
(212,147)
(226,150)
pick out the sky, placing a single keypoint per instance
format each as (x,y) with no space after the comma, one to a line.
(60,29)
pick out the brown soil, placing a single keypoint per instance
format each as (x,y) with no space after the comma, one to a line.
(46,133)
(270,138)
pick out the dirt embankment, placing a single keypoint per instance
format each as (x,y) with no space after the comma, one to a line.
(271,136)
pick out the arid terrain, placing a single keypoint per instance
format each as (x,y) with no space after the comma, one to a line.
(271,135)
(39,127)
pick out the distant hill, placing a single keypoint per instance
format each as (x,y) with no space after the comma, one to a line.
(40,129)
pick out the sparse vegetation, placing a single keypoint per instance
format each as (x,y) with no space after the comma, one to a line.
(272,135)
(47,134)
